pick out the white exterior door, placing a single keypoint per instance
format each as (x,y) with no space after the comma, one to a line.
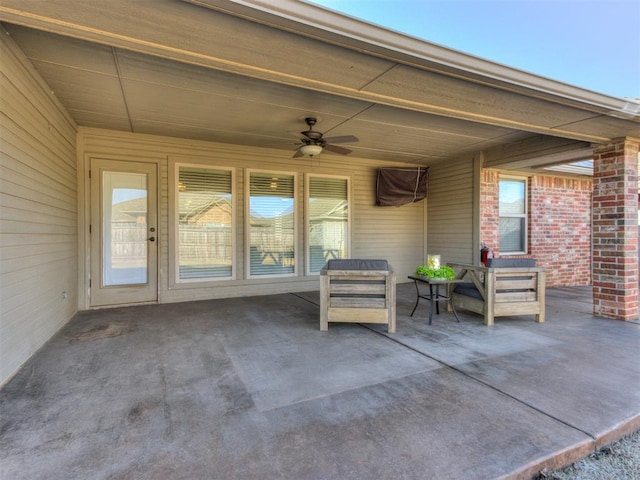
(124,233)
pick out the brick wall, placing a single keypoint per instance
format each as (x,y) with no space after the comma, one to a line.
(489,221)
(559,225)
(615,246)
(560,228)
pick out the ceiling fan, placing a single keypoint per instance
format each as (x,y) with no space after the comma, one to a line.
(312,143)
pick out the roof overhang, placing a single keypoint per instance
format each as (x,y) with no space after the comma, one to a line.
(279,61)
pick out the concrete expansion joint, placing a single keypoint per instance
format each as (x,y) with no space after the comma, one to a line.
(485,384)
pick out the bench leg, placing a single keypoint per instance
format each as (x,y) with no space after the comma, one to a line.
(391,326)
(324,324)
(324,303)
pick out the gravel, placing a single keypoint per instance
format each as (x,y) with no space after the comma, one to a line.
(618,461)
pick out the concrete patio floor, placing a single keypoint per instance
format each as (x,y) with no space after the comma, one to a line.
(249,388)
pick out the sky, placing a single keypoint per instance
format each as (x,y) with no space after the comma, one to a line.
(586,43)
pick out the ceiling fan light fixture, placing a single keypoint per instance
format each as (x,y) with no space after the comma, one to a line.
(310,150)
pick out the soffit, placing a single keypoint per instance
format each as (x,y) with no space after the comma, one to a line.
(107,87)
(210,76)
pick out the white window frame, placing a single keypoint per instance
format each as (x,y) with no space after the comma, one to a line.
(525,215)
(175,243)
(307,220)
(247,216)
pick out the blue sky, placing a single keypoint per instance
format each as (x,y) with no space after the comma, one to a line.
(587,43)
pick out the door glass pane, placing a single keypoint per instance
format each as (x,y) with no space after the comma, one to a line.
(328,220)
(124,228)
(205,233)
(271,224)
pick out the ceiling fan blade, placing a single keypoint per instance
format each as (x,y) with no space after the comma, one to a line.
(342,139)
(298,154)
(336,149)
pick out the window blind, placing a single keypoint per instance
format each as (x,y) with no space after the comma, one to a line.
(205,233)
(512,234)
(512,210)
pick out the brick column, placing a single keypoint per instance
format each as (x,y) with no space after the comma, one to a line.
(615,230)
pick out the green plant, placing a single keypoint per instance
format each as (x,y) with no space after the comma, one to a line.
(444,272)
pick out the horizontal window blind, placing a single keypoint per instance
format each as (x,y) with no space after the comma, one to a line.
(323,187)
(512,198)
(271,185)
(205,233)
(512,235)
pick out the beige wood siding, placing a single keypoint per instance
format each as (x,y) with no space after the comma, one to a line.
(396,234)
(450,211)
(38,212)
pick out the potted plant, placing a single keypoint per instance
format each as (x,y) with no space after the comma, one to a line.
(437,273)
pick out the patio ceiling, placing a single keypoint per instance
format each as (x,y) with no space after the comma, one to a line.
(248,73)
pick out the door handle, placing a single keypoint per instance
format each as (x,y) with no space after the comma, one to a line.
(152,239)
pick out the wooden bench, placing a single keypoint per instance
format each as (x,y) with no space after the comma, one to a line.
(361,291)
(507,286)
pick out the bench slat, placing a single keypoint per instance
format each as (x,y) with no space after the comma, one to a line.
(515,283)
(515,297)
(358,315)
(359,288)
(357,302)
(355,275)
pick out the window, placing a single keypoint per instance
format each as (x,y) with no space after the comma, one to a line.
(513,215)
(205,224)
(327,220)
(271,224)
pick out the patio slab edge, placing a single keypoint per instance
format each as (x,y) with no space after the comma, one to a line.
(553,461)
(573,453)
(618,431)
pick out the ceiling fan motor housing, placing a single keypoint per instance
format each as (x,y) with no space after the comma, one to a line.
(311,134)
